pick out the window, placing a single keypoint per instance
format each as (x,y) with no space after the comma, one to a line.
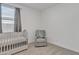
(8,18)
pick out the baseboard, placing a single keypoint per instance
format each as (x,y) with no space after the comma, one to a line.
(64,47)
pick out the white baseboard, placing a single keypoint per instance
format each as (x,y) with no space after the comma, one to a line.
(64,46)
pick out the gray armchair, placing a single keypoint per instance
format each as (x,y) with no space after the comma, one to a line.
(40,38)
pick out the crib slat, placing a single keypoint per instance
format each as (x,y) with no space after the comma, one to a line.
(8,45)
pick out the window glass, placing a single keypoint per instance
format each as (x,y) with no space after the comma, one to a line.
(8,14)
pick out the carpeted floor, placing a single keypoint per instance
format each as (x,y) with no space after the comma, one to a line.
(49,50)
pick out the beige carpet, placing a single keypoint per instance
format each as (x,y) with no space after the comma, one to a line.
(49,50)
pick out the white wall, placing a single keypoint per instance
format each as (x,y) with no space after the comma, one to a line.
(62,25)
(30,20)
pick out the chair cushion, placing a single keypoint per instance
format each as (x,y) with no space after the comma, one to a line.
(41,40)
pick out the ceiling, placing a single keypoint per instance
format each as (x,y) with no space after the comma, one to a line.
(38,6)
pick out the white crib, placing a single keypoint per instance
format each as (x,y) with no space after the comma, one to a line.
(11,43)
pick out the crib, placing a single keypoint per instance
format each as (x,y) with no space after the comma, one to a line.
(12,42)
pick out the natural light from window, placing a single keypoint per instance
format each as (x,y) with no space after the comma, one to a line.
(8,14)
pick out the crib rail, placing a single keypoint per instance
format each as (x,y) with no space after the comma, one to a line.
(7,45)
(11,43)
